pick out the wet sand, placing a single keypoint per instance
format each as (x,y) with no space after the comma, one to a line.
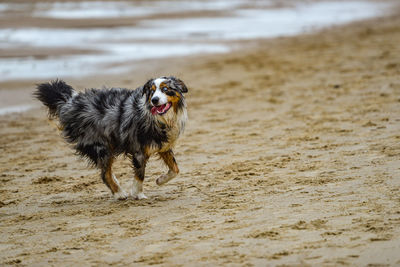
(291,157)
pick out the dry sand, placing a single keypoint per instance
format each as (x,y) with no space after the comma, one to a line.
(291,156)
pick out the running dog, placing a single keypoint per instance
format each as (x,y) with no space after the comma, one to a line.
(105,123)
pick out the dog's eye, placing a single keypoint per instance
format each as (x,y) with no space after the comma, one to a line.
(164,89)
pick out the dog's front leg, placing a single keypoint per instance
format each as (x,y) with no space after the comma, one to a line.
(139,163)
(173,171)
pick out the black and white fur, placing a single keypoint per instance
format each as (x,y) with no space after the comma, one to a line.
(104,123)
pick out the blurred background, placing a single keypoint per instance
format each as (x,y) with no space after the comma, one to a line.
(49,39)
(42,40)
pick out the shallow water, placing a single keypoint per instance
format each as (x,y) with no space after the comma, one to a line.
(266,23)
(110,9)
(14,109)
(184,36)
(90,64)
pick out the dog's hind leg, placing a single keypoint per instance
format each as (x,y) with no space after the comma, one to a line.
(110,180)
(173,171)
(102,157)
(139,162)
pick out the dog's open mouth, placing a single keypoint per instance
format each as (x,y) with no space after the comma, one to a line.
(160,110)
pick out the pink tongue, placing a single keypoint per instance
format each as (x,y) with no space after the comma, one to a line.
(158,109)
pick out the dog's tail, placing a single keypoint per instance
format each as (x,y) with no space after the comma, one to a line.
(53,95)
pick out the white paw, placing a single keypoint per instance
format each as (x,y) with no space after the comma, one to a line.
(139,196)
(121,195)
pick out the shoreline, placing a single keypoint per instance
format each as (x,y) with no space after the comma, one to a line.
(291,156)
(143,69)
(44,53)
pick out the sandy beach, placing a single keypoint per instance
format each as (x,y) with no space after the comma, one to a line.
(291,156)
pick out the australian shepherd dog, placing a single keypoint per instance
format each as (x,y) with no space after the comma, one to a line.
(105,123)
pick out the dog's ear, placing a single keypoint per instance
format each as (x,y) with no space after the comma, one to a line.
(180,84)
(147,86)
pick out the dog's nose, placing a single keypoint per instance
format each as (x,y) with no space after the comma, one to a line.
(155,100)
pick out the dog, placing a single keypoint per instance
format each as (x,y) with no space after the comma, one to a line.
(105,123)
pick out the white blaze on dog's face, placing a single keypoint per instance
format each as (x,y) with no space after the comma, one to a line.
(158,93)
(159,100)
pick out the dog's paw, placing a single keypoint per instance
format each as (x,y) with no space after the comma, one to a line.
(139,196)
(166,177)
(162,179)
(121,195)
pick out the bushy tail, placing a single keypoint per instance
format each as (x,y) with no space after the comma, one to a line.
(53,94)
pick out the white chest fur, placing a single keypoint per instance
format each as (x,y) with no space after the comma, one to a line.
(175,123)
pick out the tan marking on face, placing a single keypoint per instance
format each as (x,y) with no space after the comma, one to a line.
(163,84)
(174,100)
